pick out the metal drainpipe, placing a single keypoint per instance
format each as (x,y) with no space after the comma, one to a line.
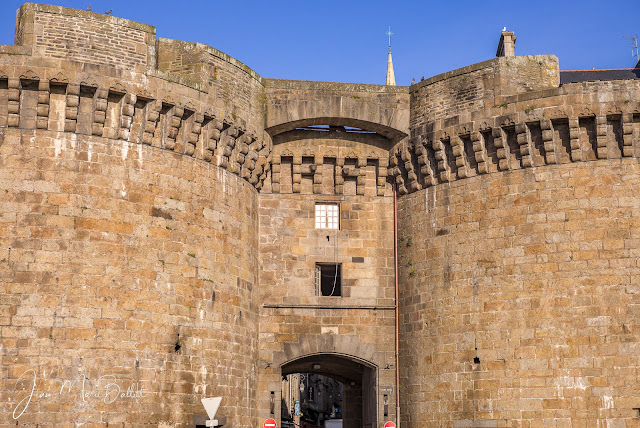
(395,256)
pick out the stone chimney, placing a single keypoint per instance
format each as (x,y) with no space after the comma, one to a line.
(507,44)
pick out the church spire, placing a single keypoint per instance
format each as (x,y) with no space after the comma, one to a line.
(391,79)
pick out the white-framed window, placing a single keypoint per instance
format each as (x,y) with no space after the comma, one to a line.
(327,216)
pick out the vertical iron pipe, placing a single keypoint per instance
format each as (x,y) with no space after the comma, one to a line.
(395,256)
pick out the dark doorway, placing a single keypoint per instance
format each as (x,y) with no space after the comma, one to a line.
(329,388)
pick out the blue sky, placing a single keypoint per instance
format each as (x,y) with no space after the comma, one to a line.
(346,41)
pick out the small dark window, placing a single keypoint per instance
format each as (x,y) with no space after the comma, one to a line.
(328,279)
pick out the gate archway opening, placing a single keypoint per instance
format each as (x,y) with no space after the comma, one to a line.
(329,387)
(394,135)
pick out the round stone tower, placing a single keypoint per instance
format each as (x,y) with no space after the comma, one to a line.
(518,250)
(128,225)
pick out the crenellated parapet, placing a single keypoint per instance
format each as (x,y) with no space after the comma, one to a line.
(334,138)
(330,162)
(118,82)
(573,123)
(328,172)
(120,110)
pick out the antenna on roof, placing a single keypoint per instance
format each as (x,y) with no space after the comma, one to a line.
(634,46)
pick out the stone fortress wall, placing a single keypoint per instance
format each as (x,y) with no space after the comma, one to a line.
(157,231)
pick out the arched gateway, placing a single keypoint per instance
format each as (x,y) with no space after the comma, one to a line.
(326,249)
(331,386)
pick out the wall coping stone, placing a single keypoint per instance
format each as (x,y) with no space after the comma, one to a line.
(469,69)
(333,86)
(218,54)
(66,11)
